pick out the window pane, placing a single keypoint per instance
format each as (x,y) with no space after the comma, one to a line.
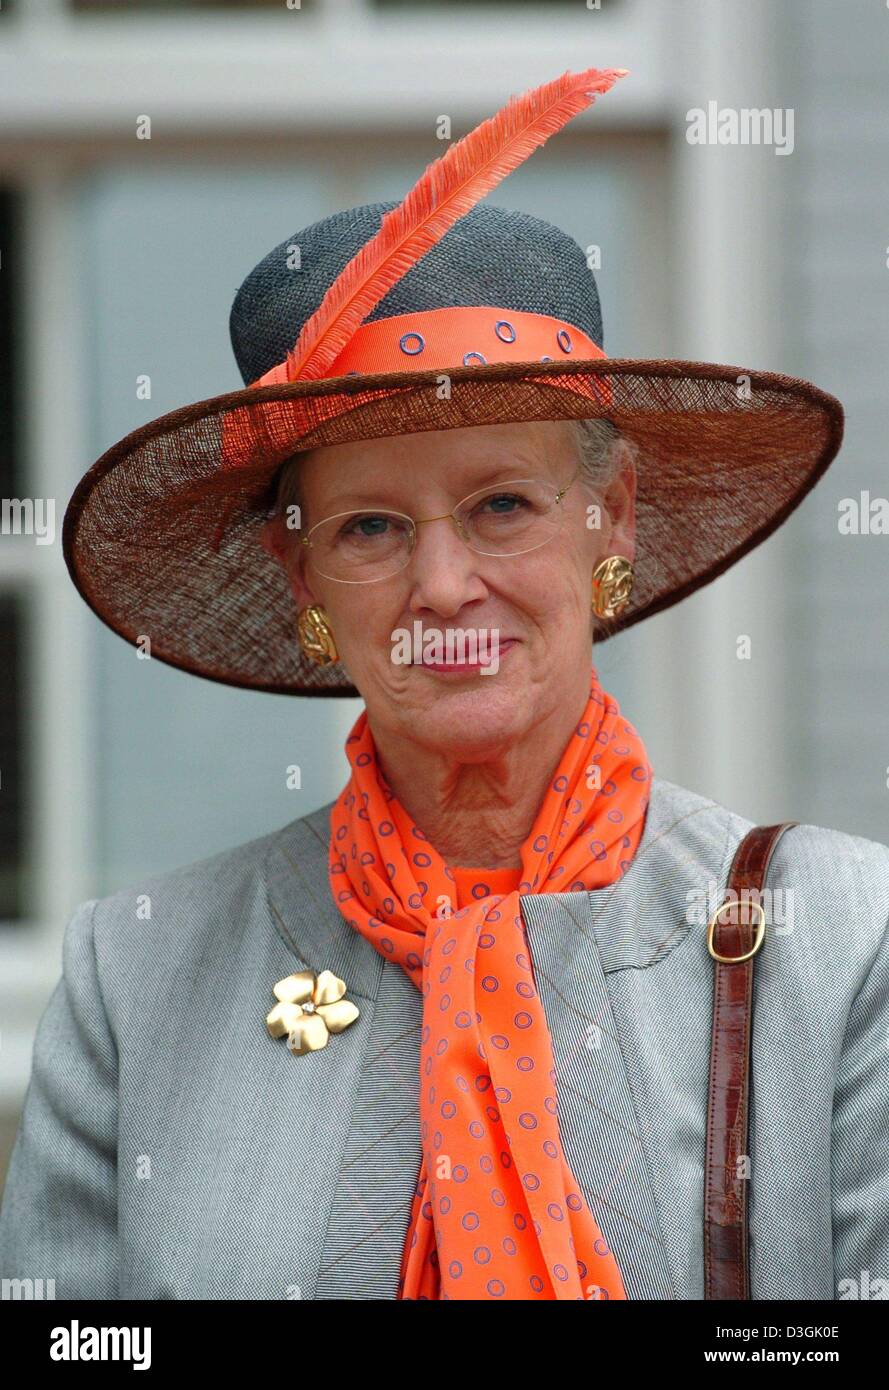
(481,4)
(11,607)
(11,761)
(9,280)
(140,6)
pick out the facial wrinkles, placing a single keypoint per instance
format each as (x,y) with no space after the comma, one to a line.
(444,579)
(447,584)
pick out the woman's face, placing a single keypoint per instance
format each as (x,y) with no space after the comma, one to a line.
(534,607)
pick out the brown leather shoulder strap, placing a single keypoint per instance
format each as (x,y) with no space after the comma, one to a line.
(736,932)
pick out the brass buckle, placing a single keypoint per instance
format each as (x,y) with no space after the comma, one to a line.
(760,931)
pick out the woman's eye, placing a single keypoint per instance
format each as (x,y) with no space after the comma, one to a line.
(366,526)
(503,502)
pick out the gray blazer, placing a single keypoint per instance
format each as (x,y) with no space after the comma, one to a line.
(170,1149)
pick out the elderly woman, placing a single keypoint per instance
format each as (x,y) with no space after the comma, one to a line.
(449,1036)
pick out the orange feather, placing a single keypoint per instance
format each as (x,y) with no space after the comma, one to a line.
(443,194)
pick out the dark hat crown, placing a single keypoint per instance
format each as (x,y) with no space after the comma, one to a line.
(492,255)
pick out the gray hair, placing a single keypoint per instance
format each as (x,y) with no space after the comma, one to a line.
(600,456)
(599,459)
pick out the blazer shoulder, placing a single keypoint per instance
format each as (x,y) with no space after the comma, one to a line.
(841,866)
(680,807)
(805,846)
(842,882)
(688,834)
(833,884)
(183,913)
(827,889)
(810,845)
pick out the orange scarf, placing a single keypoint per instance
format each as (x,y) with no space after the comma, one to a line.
(497,1212)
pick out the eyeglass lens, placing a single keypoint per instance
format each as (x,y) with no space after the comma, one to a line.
(372,543)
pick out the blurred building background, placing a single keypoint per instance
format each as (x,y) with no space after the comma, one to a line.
(120,259)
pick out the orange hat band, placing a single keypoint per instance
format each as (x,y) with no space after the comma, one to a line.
(459,336)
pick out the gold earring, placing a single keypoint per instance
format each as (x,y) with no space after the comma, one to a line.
(316,635)
(612,585)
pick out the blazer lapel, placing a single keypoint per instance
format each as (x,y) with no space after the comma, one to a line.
(371,1205)
(578,940)
(371,1188)
(600,1132)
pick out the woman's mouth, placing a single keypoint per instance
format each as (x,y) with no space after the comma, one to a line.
(465,666)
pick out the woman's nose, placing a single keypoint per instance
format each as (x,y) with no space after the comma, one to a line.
(442,567)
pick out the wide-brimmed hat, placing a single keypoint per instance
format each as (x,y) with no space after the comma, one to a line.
(397,318)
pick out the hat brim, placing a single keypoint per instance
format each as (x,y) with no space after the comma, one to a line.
(161,536)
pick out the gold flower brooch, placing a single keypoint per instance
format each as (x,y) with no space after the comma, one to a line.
(309,1009)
